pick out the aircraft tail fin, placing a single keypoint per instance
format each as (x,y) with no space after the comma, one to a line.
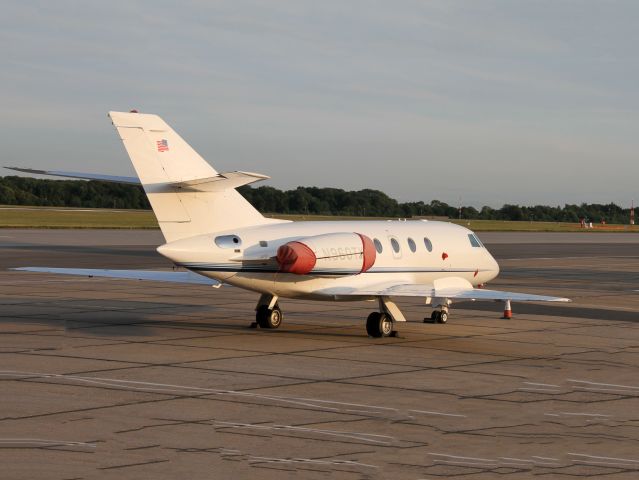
(169,169)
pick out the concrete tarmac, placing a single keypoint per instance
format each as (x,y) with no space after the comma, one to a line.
(124,379)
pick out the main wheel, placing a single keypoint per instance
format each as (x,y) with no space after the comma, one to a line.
(372,325)
(379,325)
(385,325)
(267,318)
(260,316)
(442,317)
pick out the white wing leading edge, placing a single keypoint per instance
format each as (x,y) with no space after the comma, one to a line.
(452,288)
(151,275)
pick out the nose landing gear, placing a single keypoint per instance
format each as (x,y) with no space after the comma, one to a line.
(438,316)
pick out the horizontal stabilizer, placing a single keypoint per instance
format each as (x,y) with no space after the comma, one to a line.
(222,181)
(83,176)
(150,275)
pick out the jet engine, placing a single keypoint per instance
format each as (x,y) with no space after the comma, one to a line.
(332,253)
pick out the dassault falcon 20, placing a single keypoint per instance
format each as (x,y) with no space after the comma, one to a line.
(218,237)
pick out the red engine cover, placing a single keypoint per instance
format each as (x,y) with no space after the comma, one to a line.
(370,253)
(338,252)
(295,257)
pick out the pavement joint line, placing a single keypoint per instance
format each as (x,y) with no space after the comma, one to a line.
(32,352)
(133,464)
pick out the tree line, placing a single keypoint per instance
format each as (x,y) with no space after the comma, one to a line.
(302,200)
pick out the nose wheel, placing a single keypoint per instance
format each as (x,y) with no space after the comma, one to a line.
(438,316)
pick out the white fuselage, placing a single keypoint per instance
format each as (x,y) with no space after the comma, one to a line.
(245,257)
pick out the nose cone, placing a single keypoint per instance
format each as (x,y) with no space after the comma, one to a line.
(493,266)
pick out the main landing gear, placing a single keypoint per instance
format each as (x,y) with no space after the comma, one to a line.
(268,317)
(380,324)
(267,312)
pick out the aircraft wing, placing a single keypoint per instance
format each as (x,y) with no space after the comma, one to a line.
(83,176)
(151,275)
(451,288)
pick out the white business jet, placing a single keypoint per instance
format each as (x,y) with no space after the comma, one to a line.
(218,237)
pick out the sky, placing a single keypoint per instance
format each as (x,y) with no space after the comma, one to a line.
(478,102)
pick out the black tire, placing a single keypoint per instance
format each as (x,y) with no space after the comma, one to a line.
(266,318)
(372,325)
(442,317)
(433,316)
(379,325)
(261,315)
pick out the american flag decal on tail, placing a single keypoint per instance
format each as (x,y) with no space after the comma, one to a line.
(163,145)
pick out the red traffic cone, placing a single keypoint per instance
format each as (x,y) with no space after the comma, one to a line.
(508,313)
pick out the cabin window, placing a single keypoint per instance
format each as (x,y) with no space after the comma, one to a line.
(228,241)
(411,245)
(378,245)
(428,244)
(263,243)
(395,245)
(474,241)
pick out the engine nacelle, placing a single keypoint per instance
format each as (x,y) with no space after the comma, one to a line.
(332,253)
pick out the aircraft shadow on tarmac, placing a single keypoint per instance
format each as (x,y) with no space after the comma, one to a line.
(126,318)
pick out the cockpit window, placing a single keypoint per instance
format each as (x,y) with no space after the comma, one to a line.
(474,241)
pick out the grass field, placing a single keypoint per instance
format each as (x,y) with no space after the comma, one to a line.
(509,226)
(43,217)
(38,217)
